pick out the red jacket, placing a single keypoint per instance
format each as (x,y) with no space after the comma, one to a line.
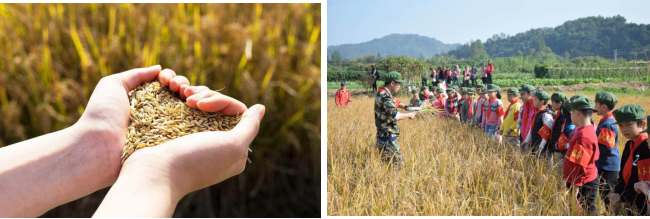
(580,159)
(490,68)
(342,97)
(527,118)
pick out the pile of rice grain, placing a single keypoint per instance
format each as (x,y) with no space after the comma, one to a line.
(159,115)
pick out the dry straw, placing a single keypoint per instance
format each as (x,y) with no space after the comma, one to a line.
(428,109)
(450,169)
(159,115)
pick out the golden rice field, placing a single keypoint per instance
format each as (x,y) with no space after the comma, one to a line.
(450,169)
(53,55)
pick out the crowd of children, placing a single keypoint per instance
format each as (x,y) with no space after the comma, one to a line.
(561,129)
(553,127)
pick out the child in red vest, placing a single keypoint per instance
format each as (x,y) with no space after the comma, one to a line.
(451,107)
(527,111)
(493,113)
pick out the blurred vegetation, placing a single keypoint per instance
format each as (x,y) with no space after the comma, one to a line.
(53,55)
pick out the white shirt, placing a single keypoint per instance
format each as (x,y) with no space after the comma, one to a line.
(547,120)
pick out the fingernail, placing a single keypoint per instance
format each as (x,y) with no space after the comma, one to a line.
(261,110)
(155,67)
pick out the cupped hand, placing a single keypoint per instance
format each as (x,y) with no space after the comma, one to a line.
(156,178)
(106,117)
(201,159)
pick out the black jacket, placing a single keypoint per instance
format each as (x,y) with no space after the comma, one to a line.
(627,193)
(536,139)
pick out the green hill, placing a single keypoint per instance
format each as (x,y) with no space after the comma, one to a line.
(590,36)
(411,45)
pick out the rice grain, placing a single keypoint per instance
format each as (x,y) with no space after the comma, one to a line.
(159,115)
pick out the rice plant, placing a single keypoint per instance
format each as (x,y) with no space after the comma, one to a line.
(53,55)
(450,169)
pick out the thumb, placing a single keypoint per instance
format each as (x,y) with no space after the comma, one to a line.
(249,125)
(134,77)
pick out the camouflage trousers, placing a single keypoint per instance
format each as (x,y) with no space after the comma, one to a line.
(390,150)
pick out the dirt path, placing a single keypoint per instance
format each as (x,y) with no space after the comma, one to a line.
(636,85)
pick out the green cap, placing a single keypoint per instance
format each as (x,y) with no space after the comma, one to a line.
(513,90)
(567,104)
(463,90)
(480,86)
(607,98)
(470,91)
(497,87)
(580,102)
(630,112)
(414,91)
(431,88)
(492,88)
(424,88)
(526,88)
(393,76)
(647,123)
(449,90)
(541,94)
(439,90)
(454,87)
(559,97)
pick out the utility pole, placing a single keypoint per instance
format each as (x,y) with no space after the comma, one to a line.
(615,53)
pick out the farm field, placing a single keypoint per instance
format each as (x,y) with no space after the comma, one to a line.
(450,168)
(52,57)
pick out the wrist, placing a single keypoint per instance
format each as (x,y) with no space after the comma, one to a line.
(53,169)
(99,151)
(141,169)
(149,190)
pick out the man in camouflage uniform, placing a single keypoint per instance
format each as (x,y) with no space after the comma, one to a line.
(386,117)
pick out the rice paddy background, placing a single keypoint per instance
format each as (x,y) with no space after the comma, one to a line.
(450,168)
(53,55)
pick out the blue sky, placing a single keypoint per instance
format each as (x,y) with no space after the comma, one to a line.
(355,21)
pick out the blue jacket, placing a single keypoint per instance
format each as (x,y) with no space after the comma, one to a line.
(610,158)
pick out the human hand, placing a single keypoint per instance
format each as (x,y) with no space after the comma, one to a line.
(108,109)
(65,165)
(411,115)
(160,176)
(641,187)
